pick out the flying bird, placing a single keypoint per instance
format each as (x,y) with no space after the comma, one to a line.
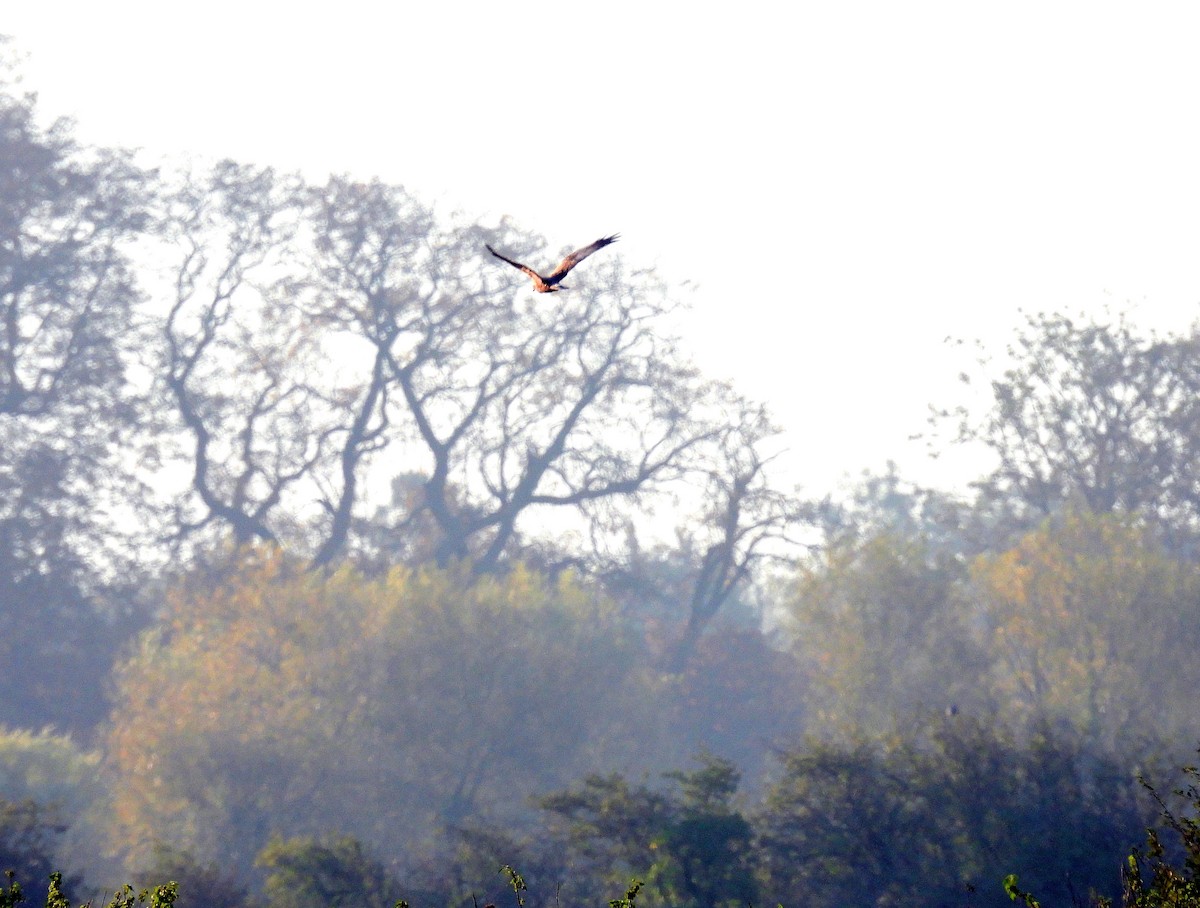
(549,283)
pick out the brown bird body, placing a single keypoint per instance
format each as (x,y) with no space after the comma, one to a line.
(549,283)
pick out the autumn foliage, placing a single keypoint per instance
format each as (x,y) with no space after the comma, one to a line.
(275,699)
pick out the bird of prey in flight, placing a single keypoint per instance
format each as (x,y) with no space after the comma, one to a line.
(549,283)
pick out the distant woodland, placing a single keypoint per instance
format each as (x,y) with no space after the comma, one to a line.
(336,568)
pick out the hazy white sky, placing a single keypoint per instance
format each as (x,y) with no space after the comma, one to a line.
(847,183)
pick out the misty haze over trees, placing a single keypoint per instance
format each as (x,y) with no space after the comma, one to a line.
(336,568)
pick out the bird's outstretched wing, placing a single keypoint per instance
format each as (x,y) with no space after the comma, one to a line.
(578,256)
(533,274)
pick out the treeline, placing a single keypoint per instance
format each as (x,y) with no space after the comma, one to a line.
(933,819)
(332,564)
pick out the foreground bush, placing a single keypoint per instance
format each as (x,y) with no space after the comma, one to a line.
(1167,873)
(945,816)
(56,897)
(1163,876)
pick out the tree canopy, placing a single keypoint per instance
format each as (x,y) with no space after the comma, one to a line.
(279,697)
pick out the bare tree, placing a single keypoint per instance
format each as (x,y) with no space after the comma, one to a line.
(375,284)
(577,406)
(747,522)
(320,336)
(502,406)
(240,365)
(741,523)
(1094,412)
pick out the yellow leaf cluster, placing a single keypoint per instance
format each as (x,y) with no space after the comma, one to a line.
(1084,616)
(274,698)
